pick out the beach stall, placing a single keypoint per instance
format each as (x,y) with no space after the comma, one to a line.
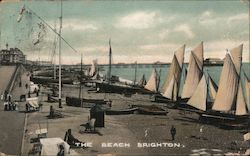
(33,103)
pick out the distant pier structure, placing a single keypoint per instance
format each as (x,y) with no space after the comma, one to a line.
(12,56)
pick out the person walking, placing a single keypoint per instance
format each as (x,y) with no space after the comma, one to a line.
(173,132)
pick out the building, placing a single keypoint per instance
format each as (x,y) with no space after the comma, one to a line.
(215,61)
(12,56)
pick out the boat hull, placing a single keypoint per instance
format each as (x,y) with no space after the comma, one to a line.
(225,120)
(46,80)
(121,112)
(76,102)
(115,88)
(150,110)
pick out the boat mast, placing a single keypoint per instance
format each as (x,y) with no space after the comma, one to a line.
(110,55)
(60,67)
(80,89)
(135,72)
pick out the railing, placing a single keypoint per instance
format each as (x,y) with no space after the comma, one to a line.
(13,79)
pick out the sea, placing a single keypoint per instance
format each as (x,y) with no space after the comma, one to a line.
(128,72)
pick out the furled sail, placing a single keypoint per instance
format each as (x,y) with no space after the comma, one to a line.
(193,77)
(199,98)
(152,82)
(228,86)
(212,88)
(240,102)
(143,81)
(236,54)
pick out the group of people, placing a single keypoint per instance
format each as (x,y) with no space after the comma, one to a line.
(9,105)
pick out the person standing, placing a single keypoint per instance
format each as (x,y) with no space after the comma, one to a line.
(173,132)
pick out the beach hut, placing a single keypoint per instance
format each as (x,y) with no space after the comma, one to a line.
(97,113)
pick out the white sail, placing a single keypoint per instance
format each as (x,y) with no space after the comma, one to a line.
(93,68)
(180,55)
(192,79)
(212,88)
(173,73)
(199,98)
(152,82)
(228,86)
(198,53)
(236,54)
(240,102)
(171,91)
(175,68)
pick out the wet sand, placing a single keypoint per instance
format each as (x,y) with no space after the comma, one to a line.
(133,129)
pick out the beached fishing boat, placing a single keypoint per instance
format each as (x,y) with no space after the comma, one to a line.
(121,112)
(203,96)
(46,80)
(84,102)
(171,86)
(150,110)
(194,72)
(230,107)
(115,84)
(152,86)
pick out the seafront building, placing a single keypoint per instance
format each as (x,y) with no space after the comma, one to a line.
(12,56)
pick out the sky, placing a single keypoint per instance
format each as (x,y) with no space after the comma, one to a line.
(142,31)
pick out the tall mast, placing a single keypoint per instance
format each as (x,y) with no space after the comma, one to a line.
(80,91)
(135,72)
(60,68)
(110,55)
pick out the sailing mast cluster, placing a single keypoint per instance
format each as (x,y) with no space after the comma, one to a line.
(200,93)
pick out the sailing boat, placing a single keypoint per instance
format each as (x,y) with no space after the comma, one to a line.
(229,106)
(194,73)
(113,84)
(203,96)
(83,102)
(171,85)
(151,85)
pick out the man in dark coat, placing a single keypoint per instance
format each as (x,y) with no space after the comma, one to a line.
(173,132)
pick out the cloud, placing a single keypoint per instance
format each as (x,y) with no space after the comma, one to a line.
(238,17)
(185,28)
(139,20)
(79,25)
(218,48)
(207,18)
(90,49)
(164,33)
(156,47)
